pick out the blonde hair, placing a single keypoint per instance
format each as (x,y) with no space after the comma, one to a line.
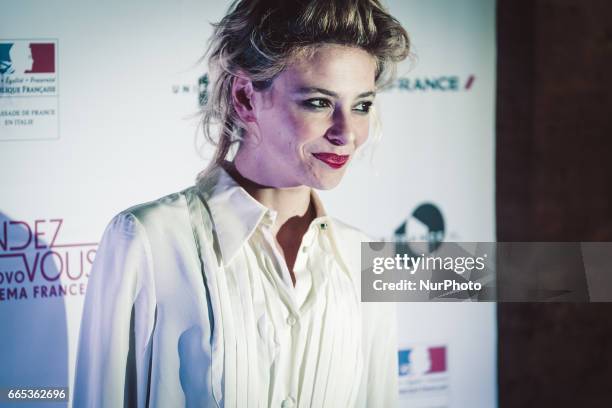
(259,38)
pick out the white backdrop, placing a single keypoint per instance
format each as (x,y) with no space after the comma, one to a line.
(100,114)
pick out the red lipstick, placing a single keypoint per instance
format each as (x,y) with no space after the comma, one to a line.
(334,161)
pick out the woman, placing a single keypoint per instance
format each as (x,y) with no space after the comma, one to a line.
(241,291)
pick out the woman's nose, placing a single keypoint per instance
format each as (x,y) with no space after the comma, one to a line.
(341,132)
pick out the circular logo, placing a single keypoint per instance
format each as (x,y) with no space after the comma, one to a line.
(425,224)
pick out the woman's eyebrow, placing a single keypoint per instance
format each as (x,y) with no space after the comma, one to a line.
(313,89)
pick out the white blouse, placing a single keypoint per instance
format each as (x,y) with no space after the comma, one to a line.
(189,303)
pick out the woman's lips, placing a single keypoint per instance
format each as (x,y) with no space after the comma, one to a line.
(334,161)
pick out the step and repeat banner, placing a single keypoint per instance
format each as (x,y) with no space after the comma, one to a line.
(99,111)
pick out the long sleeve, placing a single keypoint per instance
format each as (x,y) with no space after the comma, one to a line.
(379,382)
(118,315)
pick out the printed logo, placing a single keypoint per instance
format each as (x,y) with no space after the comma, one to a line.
(426,223)
(443,83)
(27,58)
(34,263)
(28,90)
(200,89)
(423,374)
(422,361)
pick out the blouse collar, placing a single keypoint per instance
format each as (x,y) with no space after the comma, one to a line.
(236,214)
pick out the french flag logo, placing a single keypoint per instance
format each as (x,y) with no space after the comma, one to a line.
(422,360)
(24,57)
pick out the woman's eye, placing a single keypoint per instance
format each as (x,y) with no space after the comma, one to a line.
(317,103)
(363,106)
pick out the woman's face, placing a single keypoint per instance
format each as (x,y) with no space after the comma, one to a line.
(313,117)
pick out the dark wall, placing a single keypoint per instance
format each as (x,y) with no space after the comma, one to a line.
(554,183)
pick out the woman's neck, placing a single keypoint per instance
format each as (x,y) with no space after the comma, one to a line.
(293,206)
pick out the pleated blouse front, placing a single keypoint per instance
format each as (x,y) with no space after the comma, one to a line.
(190,304)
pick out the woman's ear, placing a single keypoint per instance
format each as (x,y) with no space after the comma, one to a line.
(242,98)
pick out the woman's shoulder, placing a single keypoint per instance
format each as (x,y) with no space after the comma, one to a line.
(348,240)
(159,216)
(349,233)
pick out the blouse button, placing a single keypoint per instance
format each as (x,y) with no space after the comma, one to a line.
(323,225)
(291,320)
(288,403)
